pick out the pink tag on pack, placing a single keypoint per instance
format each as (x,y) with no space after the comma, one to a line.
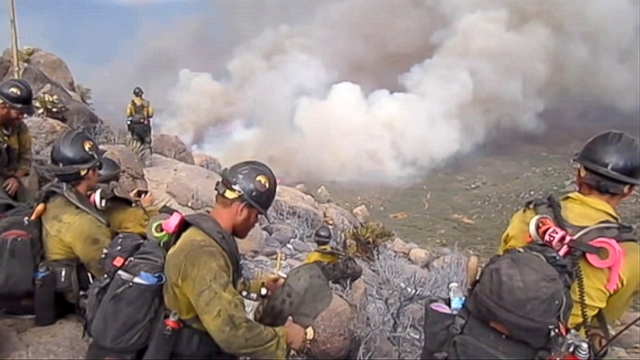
(173,223)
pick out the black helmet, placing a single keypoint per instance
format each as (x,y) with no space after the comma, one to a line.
(72,154)
(17,94)
(323,235)
(137,91)
(251,181)
(614,155)
(110,171)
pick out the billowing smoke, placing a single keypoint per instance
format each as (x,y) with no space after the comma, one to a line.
(381,90)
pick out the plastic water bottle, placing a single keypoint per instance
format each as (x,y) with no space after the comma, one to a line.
(456,297)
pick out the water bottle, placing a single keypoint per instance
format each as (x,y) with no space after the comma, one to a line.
(44,296)
(456,297)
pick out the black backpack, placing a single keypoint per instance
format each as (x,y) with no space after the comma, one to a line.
(121,313)
(20,250)
(520,297)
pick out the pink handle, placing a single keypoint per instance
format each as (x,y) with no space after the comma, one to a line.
(173,223)
(613,262)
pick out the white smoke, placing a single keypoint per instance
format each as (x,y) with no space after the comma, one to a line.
(380,90)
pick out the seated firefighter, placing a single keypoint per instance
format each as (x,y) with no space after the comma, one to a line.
(337,266)
(608,171)
(75,228)
(204,281)
(139,114)
(548,293)
(16,99)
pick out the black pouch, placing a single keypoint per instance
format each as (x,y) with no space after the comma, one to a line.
(192,343)
(44,299)
(437,331)
(480,341)
(95,294)
(17,265)
(466,347)
(163,341)
(125,314)
(66,275)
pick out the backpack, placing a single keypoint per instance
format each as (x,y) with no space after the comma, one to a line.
(22,252)
(20,249)
(520,298)
(140,109)
(125,305)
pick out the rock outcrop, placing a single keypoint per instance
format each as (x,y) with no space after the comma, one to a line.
(132,175)
(51,65)
(207,161)
(172,147)
(77,114)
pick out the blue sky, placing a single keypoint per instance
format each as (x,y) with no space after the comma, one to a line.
(113,45)
(89,31)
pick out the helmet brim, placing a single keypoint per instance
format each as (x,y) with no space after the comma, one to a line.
(607,173)
(26,109)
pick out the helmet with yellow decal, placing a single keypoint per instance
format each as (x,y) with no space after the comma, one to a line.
(250,181)
(73,154)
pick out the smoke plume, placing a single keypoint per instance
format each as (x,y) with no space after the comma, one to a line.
(383,90)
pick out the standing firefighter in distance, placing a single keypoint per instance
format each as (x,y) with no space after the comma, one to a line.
(608,171)
(139,115)
(204,280)
(337,266)
(16,101)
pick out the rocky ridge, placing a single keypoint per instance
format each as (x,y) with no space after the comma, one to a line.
(360,322)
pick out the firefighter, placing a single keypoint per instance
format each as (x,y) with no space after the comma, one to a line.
(323,252)
(139,115)
(608,168)
(73,227)
(139,106)
(337,266)
(16,101)
(204,281)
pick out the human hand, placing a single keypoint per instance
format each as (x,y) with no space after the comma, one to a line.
(11,185)
(273,283)
(145,197)
(296,335)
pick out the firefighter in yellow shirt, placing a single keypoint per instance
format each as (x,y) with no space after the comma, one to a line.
(139,106)
(608,172)
(139,115)
(204,282)
(16,97)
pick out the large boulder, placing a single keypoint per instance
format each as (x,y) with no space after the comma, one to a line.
(207,161)
(334,337)
(132,175)
(78,114)
(51,65)
(44,133)
(189,185)
(172,147)
(296,210)
(5,66)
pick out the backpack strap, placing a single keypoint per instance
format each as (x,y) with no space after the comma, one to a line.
(213,229)
(551,207)
(69,193)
